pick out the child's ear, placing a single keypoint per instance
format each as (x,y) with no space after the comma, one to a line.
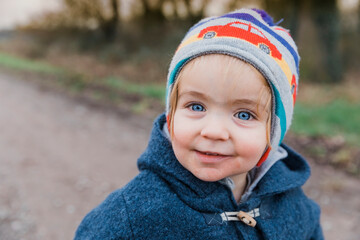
(264,156)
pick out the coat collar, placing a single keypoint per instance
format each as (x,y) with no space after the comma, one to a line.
(284,175)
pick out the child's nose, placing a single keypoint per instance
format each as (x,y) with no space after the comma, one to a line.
(215,128)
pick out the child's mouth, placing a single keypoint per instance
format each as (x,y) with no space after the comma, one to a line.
(211,157)
(212,154)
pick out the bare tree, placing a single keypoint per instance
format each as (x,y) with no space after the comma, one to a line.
(326,17)
(358,15)
(94,13)
(195,15)
(153,13)
(110,26)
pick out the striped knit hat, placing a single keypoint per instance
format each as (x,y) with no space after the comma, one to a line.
(250,35)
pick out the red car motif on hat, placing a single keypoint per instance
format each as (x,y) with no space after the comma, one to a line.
(243,31)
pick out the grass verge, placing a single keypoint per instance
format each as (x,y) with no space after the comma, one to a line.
(146,90)
(329,133)
(107,87)
(21,64)
(337,118)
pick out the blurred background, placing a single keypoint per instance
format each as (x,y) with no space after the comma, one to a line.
(113,55)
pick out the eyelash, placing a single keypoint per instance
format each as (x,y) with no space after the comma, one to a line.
(250,115)
(191,105)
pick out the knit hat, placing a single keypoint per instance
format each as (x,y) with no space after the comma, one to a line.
(250,35)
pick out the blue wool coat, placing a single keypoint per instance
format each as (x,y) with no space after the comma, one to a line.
(165,201)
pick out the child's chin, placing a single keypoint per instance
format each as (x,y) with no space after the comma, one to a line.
(208,176)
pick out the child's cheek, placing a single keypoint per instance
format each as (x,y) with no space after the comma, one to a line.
(184,128)
(251,145)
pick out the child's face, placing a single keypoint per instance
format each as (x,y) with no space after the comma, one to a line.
(220,118)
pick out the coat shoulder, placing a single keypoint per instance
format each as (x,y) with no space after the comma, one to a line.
(109,220)
(115,217)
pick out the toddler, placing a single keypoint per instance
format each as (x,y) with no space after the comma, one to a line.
(215,166)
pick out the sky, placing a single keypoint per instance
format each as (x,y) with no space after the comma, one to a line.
(14,12)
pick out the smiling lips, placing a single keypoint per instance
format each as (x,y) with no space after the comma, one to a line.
(211,157)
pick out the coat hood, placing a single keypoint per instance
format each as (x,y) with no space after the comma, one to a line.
(286,174)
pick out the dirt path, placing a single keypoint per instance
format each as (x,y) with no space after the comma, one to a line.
(60,158)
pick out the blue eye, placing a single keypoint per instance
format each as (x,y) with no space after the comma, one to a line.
(197,108)
(243,115)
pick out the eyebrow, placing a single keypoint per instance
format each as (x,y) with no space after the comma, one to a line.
(194,93)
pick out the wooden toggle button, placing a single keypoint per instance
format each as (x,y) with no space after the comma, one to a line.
(246,218)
